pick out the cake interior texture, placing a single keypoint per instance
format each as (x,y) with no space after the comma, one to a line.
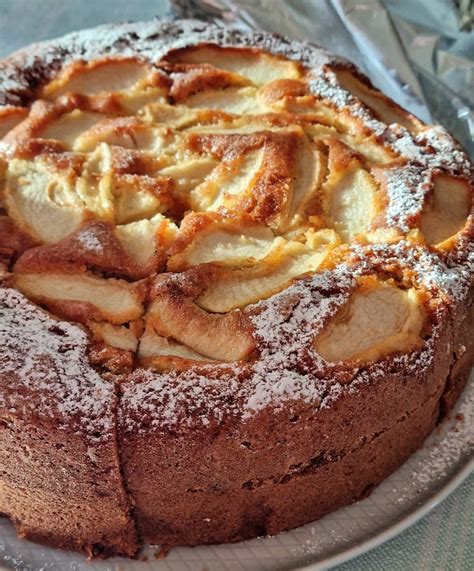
(236,286)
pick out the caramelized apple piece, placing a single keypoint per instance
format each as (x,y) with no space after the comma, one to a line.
(126,132)
(37,194)
(92,78)
(240,287)
(134,102)
(69,126)
(153,345)
(352,204)
(189,174)
(379,319)
(94,186)
(309,173)
(176,116)
(114,300)
(10,117)
(224,241)
(446,209)
(259,67)
(118,336)
(190,79)
(388,111)
(228,183)
(136,197)
(174,314)
(234,100)
(351,193)
(145,239)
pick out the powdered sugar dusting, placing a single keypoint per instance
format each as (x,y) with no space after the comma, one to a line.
(324,84)
(45,370)
(456,442)
(430,152)
(286,341)
(451,275)
(425,154)
(284,326)
(89,240)
(287,369)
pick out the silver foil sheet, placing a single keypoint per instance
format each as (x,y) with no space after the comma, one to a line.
(419,52)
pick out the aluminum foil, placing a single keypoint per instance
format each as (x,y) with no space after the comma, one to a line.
(419,52)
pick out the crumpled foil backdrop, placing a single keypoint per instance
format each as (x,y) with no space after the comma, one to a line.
(420,52)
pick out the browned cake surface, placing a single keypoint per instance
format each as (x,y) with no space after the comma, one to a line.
(236,285)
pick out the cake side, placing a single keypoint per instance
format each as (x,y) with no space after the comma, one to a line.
(61,482)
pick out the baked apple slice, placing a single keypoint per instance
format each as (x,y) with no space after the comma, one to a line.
(446,209)
(10,117)
(175,315)
(351,192)
(385,109)
(83,297)
(379,319)
(257,66)
(239,287)
(95,77)
(40,191)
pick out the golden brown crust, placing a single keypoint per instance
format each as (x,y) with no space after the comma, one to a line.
(174,313)
(13,242)
(73,254)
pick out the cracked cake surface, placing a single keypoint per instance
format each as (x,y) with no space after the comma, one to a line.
(233,273)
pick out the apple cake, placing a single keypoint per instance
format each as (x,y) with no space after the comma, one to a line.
(236,285)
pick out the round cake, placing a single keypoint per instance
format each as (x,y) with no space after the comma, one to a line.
(236,285)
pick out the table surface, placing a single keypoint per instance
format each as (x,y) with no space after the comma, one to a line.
(443,540)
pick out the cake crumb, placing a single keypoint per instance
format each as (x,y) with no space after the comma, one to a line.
(162,552)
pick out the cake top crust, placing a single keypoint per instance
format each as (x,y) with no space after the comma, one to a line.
(233,220)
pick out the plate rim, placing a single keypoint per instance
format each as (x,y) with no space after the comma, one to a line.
(392,531)
(398,527)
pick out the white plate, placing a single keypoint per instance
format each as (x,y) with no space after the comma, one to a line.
(412,491)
